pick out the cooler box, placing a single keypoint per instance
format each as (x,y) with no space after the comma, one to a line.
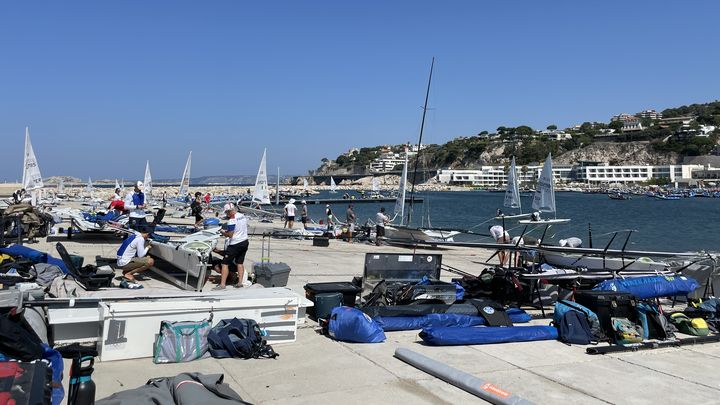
(348,291)
(271,274)
(323,241)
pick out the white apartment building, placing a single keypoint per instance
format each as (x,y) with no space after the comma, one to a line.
(494,176)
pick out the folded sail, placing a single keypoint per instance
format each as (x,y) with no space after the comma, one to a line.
(544,198)
(512,194)
(148,180)
(32,180)
(262,193)
(185,181)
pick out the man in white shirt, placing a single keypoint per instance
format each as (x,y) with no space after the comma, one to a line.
(290,209)
(237,246)
(135,202)
(380,220)
(501,236)
(132,255)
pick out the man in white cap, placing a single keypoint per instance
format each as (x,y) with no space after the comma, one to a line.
(236,248)
(304,213)
(290,209)
(135,202)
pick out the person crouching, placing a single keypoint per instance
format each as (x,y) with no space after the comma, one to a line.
(132,255)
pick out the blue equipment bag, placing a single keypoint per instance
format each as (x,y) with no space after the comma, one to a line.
(562,307)
(487,335)
(352,325)
(394,323)
(26,252)
(211,222)
(575,329)
(650,287)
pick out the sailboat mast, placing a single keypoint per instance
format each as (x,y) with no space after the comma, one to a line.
(277,188)
(417,156)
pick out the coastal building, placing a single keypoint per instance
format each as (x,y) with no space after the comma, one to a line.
(630,122)
(651,114)
(585,172)
(555,135)
(388,159)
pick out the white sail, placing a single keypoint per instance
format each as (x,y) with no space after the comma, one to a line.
(117,185)
(89,186)
(305,184)
(122,184)
(512,194)
(333,186)
(32,180)
(544,198)
(262,193)
(61,187)
(148,180)
(375,184)
(400,201)
(185,181)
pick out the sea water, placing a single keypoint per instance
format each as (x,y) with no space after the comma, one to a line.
(689,224)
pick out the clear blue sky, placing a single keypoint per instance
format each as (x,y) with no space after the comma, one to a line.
(106,85)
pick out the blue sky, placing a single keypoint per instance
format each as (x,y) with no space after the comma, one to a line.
(106,85)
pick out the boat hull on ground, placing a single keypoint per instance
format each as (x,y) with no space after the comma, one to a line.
(597,263)
(418,234)
(544,221)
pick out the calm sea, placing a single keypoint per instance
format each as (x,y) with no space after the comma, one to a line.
(689,224)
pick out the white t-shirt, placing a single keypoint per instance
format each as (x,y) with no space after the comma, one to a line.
(238,225)
(290,209)
(380,219)
(498,232)
(135,247)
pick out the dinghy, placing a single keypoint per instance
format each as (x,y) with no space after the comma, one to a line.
(185,181)
(32,180)
(512,194)
(147,186)
(333,186)
(544,198)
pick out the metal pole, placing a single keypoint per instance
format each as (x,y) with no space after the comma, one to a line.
(417,156)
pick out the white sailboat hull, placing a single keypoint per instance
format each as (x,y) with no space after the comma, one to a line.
(596,263)
(501,217)
(545,221)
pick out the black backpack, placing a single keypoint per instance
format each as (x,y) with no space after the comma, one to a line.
(238,338)
(575,329)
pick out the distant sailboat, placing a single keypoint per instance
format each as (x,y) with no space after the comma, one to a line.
(261,195)
(333,186)
(512,194)
(89,187)
(61,187)
(148,181)
(375,184)
(117,185)
(32,180)
(185,181)
(544,198)
(400,201)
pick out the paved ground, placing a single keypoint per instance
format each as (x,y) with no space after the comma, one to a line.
(319,370)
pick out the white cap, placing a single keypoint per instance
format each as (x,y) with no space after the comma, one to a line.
(303,202)
(562,242)
(292,201)
(139,184)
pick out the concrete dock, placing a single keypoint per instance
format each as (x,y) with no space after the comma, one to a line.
(318,370)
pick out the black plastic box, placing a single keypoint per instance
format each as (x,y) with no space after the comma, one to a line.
(348,290)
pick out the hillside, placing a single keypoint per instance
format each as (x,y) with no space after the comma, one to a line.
(645,138)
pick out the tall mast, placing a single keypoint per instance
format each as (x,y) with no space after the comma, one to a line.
(417,156)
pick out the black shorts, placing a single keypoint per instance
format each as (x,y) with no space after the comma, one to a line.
(291,218)
(235,254)
(380,231)
(303,220)
(198,217)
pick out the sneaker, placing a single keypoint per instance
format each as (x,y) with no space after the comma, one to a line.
(218,288)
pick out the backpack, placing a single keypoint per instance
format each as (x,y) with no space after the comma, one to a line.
(688,326)
(564,306)
(651,321)
(626,332)
(239,338)
(574,328)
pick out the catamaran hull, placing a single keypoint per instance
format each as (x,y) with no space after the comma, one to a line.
(595,263)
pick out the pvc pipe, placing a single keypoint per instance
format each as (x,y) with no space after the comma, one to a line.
(467,382)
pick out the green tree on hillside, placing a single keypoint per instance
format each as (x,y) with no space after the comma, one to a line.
(617,126)
(551,127)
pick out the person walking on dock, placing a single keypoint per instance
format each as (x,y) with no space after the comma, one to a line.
(196,209)
(329,216)
(380,221)
(304,213)
(237,246)
(290,209)
(350,221)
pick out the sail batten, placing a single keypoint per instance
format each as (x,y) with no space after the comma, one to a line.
(512,194)
(261,195)
(32,180)
(544,198)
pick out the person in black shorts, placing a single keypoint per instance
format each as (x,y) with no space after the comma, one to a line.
(237,246)
(196,209)
(304,214)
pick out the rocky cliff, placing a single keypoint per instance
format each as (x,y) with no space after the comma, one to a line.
(613,153)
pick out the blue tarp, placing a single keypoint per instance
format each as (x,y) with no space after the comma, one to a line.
(33,255)
(487,335)
(394,323)
(650,287)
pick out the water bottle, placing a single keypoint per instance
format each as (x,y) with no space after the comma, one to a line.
(82,387)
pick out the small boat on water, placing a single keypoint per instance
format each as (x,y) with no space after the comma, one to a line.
(544,198)
(670,197)
(618,196)
(512,195)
